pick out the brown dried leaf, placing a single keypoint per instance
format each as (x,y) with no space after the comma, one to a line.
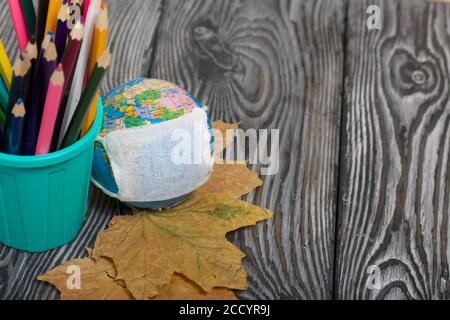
(223,135)
(235,179)
(181,288)
(148,248)
(97,281)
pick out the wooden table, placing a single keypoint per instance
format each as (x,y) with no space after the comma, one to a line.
(361,201)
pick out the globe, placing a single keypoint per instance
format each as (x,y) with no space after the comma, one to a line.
(140,102)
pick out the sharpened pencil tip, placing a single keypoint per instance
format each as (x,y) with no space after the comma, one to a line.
(18,110)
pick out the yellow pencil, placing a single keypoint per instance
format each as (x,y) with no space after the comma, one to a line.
(99,41)
(5,66)
(52,15)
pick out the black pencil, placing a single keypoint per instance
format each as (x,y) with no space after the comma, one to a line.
(14,128)
(41,21)
(21,71)
(30,53)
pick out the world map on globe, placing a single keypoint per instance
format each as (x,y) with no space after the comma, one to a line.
(145,101)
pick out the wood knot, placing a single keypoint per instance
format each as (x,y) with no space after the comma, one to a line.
(409,75)
(214,47)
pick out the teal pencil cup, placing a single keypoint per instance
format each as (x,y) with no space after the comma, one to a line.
(43,199)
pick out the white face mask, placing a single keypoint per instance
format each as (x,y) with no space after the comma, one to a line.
(160,162)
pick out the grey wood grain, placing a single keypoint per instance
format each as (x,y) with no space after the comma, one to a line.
(394,190)
(132,57)
(279,65)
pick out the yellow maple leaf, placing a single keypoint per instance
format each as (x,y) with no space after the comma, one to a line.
(232,178)
(223,135)
(97,283)
(148,248)
(96,280)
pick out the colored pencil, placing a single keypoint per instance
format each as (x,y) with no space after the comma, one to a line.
(31,54)
(38,96)
(86,7)
(99,41)
(19,23)
(69,63)
(31,50)
(5,66)
(2,122)
(3,96)
(21,71)
(36,104)
(52,14)
(72,52)
(14,128)
(78,3)
(49,97)
(47,38)
(34,113)
(86,99)
(78,80)
(99,37)
(52,103)
(41,21)
(62,31)
(30,16)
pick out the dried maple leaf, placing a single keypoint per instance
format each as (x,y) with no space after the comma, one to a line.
(232,178)
(223,135)
(96,282)
(181,288)
(148,248)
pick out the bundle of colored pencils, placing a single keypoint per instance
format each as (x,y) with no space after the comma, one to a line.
(48,98)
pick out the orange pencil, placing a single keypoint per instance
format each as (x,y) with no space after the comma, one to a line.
(19,23)
(52,15)
(99,41)
(51,108)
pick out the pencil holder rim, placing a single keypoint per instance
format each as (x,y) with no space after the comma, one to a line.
(58,156)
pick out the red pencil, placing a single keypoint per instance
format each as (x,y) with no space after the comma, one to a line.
(19,23)
(72,51)
(86,7)
(52,103)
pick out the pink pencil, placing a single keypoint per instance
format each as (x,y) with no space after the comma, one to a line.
(51,108)
(19,23)
(86,7)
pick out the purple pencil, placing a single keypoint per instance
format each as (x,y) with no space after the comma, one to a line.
(62,31)
(46,69)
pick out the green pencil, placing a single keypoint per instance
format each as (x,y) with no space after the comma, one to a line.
(3,96)
(88,95)
(29,15)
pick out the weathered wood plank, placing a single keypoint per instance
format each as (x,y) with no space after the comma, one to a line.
(132,55)
(271,64)
(394,193)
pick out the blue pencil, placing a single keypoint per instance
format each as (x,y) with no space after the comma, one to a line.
(14,128)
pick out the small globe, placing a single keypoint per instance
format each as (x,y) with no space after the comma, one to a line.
(140,102)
